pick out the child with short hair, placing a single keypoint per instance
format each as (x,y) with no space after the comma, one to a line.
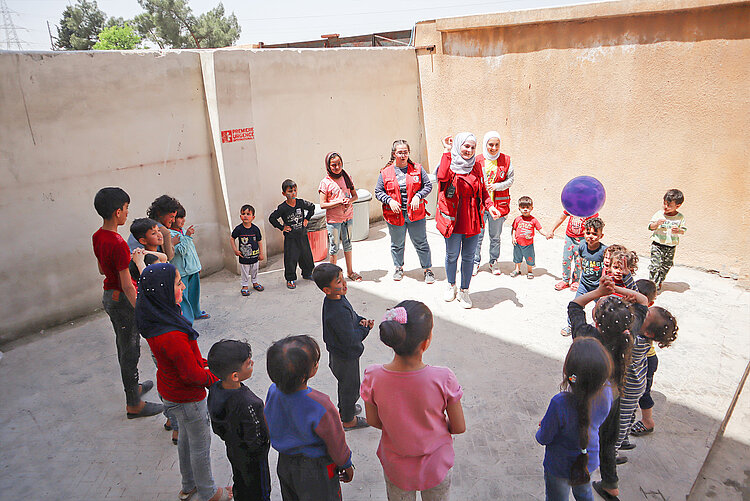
(417,406)
(189,265)
(620,264)
(145,230)
(295,213)
(523,237)
(646,424)
(303,425)
(237,417)
(343,333)
(667,226)
(571,262)
(570,427)
(250,251)
(119,297)
(162,210)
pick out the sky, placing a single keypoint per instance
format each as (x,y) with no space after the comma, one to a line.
(274,21)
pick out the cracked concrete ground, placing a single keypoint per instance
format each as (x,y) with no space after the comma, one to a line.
(64,435)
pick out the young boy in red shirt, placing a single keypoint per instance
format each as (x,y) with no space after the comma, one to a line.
(113,256)
(523,237)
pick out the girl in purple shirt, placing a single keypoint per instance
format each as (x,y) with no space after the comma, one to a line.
(417,407)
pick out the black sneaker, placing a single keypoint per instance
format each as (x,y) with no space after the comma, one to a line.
(627,445)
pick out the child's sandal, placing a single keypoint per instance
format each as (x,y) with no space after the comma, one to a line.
(244,291)
(258,287)
(514,273)
(291,285)
(530,276)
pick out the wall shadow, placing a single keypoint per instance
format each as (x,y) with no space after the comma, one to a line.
(679,287)
(729,22)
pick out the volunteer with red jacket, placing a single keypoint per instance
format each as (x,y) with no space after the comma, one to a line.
(498,174)
(462,200)
(402,188)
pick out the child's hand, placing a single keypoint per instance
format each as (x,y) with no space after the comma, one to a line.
(347,475)
(175,239)
(287,229)
(237,253)
(606,286)
(551,235)
(305,222)
(138,256)
(190,230)
(628,295)
(660,222)
(370,324)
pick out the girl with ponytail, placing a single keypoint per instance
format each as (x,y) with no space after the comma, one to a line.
(570,428)
(417,407)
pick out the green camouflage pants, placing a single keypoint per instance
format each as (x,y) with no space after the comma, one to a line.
(662,259)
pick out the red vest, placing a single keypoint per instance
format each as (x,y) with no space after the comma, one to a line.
(413,185)
(501,199)
(447,209)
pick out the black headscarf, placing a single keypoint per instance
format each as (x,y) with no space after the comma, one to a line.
(347,180)
(155,309)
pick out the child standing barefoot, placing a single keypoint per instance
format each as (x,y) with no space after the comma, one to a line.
(570,428)
(417,406)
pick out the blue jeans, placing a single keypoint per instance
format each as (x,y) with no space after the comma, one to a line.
(194,446)
(466,246)
(418,235)
(191,296)
(339,233)
(558,489)
(494,228)
(571,263)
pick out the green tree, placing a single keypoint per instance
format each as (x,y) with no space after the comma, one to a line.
(118,38)
(79,26)
(172,24)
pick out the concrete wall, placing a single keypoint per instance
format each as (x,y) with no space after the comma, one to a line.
(151,123)
(645,96)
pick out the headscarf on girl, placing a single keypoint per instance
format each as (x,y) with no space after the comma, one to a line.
(459,164)
(347,179)
(487,137)
(155,309)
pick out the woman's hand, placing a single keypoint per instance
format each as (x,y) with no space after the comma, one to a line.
(447,143)
(495,213)
(395,207)
(415,202)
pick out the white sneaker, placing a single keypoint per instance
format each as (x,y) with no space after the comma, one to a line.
(450,293)
(464,299)
(495,268)
(475,270)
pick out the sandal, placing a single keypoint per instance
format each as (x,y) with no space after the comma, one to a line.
(175,435)
(639,429)
(361,423)
(245,291)
(355,276)
(514,273)
(203,316)
(184,496)
(168,425)
(561,285)
(291,285)
(530,276)
(258,287)
(224,493)
(604,494)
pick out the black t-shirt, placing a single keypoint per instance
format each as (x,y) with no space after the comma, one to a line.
(248,239)
(148,259)
(293,216)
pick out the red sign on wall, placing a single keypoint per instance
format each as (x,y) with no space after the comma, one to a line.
(230,136)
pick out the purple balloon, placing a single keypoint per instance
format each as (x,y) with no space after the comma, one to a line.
(583,196)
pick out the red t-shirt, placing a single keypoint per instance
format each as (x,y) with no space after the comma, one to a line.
(524,226)
(182,373)
(113,254)
(575,224)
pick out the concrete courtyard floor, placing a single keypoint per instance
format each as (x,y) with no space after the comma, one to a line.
(64,435)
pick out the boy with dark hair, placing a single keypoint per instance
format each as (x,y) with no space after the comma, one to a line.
(304,425)
(237,417)
(250,251)
(523,237)
(295,213)
(667,226)
(343,333)
(113,257)
(146,232)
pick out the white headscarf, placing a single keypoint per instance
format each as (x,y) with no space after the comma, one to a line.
(487,137)
(459,164)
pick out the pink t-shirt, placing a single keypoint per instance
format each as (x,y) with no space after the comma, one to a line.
(334,189)
(416,448)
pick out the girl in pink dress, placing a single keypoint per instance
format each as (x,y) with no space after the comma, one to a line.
(417,407)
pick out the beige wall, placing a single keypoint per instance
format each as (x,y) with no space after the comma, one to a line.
(644,102)
(150,122)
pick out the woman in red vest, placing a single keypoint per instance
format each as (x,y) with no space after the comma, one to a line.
(402,188)
(462,200)
(498,174)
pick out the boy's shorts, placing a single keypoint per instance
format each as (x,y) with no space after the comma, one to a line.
(523,251)
(339,232)
(308,479)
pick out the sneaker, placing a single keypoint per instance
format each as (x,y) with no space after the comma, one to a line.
(450,293)
(627,445)
(464,299)
(475,270)
(574,286)
(429,276)
(562,284)
(398,274)
(495,268)
(566,332)
(514,273)
(530,276)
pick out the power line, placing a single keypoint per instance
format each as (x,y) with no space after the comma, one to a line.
(11,37)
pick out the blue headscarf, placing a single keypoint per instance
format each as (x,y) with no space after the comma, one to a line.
(155,309)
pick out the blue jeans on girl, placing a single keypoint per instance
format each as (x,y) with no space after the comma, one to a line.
(466,246)
(418,234)
(558,489)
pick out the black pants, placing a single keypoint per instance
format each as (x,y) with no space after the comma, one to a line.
(251,475)
(346,372)
(646,402)
(608,433)
(308,479)
(128,341)
(297,251)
